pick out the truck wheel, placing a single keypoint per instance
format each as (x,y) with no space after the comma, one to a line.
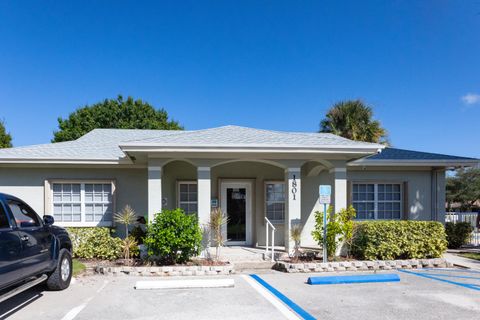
(60,278)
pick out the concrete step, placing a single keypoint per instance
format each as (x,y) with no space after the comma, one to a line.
(257,265)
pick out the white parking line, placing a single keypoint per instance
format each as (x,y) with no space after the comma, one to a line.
(76,310)
(289,314)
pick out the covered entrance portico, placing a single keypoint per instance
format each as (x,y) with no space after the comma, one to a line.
(250,175)
(241,189)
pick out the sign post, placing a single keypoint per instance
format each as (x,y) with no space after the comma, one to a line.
(324,195)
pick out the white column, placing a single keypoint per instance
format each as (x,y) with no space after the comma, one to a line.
(204,194)
(293,211)
(339,188)
(154,189)
(340,193)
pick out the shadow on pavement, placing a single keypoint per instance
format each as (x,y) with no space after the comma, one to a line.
(20,301)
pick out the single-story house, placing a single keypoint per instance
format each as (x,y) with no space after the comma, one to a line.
(251,174)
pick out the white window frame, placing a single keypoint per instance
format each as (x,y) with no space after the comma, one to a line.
(375,198)
(284,201)
(49,202)
(179,183)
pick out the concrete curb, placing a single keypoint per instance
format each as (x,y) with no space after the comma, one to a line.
(185,284)
(361,265)
(166,271)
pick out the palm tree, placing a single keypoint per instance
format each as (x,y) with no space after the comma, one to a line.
(353,120)
(126,217)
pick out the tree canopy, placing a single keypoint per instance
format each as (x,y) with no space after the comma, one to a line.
(353,119)
(5,137)
(464,188)
(113,113)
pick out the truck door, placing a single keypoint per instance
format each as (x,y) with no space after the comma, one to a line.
(10,251)
(36,239)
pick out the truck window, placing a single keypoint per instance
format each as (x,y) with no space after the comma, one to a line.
(24,216)
(3,218)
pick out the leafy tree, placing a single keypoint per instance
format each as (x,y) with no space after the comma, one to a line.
(113,113)
(353,120)
(339,228)
(464,188)
(5,138)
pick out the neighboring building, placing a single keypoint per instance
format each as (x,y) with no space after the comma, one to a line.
(249,173)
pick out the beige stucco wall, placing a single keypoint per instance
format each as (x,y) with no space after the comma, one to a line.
(131,188)
(418,189)
(28,184)
(172,173)
(310,203)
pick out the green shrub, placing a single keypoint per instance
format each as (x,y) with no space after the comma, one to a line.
(173,237)
(388,240)
(458,233)
(138,234)
(95,243)
(339,228)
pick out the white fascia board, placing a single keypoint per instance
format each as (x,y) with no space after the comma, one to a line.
(61,161)
(263,149)
(412,163)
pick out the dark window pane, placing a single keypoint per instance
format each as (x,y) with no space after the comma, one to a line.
(24,215)
(3,218)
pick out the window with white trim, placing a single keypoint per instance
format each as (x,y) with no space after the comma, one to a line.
(275,201)
(80,203)
(381,201)
(188,196)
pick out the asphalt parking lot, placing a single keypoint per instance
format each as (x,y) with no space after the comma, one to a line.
(425,294)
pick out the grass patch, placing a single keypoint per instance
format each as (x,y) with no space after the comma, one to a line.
(78,267)
(474,256)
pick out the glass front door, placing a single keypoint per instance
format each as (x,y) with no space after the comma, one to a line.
(236,202)
(236,211)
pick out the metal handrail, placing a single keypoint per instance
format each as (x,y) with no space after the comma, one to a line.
(269,224)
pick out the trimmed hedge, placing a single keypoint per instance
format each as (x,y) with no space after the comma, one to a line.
(391,240)
(458,233)
(95,243)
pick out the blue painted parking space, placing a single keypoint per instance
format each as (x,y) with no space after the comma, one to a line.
(417,295)
(469,279)
(302,313)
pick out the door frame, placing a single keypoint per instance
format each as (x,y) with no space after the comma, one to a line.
(248,185)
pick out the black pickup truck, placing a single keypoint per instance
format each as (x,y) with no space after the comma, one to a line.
(32,250)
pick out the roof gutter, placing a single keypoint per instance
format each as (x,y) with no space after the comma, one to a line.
(262,149)
(62,161)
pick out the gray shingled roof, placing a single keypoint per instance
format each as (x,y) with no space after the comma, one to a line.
(98,144)
(402,154)
(402,157)
(236,136)
(104,144)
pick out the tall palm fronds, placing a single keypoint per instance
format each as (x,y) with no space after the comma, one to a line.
(353,120)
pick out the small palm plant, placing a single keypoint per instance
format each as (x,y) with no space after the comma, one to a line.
(126,217)
(217,221)
(130,248)
(296,235)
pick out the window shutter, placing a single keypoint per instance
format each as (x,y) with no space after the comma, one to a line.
(406,210)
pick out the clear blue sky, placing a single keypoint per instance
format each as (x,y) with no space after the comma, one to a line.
(266,64)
